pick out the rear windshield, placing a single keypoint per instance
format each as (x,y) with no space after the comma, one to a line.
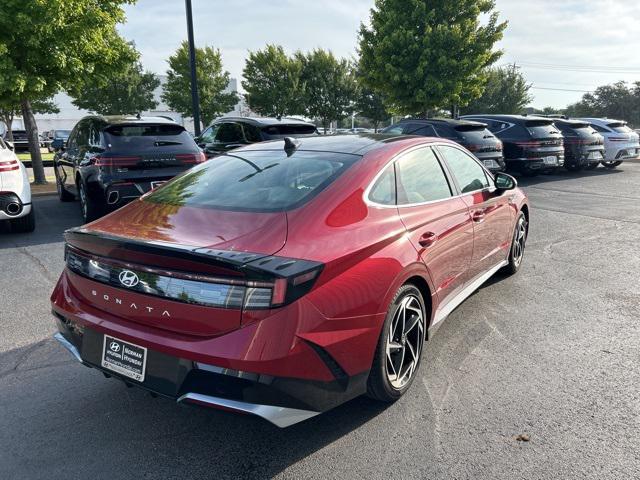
(140,137)
(579,129)
(260,181)
(473,133)
(619,127)
(289,129)
(541,128)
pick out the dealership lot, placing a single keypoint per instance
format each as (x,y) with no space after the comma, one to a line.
(550,353)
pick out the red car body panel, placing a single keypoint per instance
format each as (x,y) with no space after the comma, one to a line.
(367,253)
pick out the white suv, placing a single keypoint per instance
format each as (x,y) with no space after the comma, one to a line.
(620,142)
(15,192)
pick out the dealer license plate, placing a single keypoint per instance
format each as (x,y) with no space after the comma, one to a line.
(550,160)
(125,358)
(594,156)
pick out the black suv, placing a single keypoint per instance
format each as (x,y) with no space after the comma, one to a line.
(531,144)
(20,140)
(227,133)
(109,161)
(583,145)
(474,136)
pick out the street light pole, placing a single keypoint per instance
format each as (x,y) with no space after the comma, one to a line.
(192,64)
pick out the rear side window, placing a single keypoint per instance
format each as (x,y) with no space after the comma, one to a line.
(422,129)
(444,131)
(230,133)
(393,130)
(257,181)
(146,136)
(289,129)
(420,178)
(600,129)
(466,170)
(384,190)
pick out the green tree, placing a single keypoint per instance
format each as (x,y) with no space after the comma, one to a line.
(329,86)
(48,46)
(212,83)
(618,100)
(8,112)
(370,104)
(429,54)
(507,91)
(127,92)
(272,82)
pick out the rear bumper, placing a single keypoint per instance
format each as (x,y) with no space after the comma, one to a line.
(536,163)
(279,400)
(263,367)
(12,206)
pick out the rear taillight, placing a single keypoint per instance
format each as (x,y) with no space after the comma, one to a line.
(222,292)
(618,139)
(529,144)
(9,165)
(116,161)
(472,147)
(192,157)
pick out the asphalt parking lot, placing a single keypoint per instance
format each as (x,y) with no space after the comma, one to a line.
(551,354)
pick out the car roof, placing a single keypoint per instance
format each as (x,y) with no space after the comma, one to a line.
(602,121)
(263,121)
(129,119)
(357,144)
(447,121)
(510,118)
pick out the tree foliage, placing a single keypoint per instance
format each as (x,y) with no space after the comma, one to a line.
(212,83)
(48,46)
(329,86)
(9,109)
(272,81)
(507,91)
(126,92)
(619,100)
(429,54)
(370,104)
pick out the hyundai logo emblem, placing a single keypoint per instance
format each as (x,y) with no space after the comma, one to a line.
(114,347)
(128,278)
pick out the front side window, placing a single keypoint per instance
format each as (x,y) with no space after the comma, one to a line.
(466,170)
(256,181)
(420,178)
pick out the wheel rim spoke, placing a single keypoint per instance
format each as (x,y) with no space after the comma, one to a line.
(404,342)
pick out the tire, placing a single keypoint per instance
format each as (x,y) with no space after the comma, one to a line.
(24,224)
(613,164)
(63,194)
(518,243)
(90,211)
(384,384)
(592,166)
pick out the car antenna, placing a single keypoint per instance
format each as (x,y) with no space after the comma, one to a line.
(291,145)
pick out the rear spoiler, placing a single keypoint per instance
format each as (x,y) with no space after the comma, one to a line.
(253,264)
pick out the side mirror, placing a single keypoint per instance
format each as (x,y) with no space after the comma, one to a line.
(10,145)
(504,182)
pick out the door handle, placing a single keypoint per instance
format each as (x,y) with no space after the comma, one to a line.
(427,239)
(478,216)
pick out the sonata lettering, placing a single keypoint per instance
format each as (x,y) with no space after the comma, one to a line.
(133,306)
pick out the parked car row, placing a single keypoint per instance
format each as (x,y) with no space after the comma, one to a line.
(532,144)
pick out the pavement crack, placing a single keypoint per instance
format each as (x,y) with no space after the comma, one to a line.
(24,356)
(38,263)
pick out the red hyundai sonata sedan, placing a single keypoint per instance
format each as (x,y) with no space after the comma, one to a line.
(285,278)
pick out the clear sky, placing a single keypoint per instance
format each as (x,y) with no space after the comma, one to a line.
(560,44)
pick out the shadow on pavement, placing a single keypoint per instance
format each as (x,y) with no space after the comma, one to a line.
(52,219)
(562,175)
(86,426)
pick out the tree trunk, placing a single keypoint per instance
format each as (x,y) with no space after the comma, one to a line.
(8,121)
(30,126)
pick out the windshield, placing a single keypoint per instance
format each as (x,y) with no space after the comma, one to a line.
(619,127)
(473,133)
(260,181)
(289,129)
(147,137)
(541,128)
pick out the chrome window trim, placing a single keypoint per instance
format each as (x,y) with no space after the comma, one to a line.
(491,188)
